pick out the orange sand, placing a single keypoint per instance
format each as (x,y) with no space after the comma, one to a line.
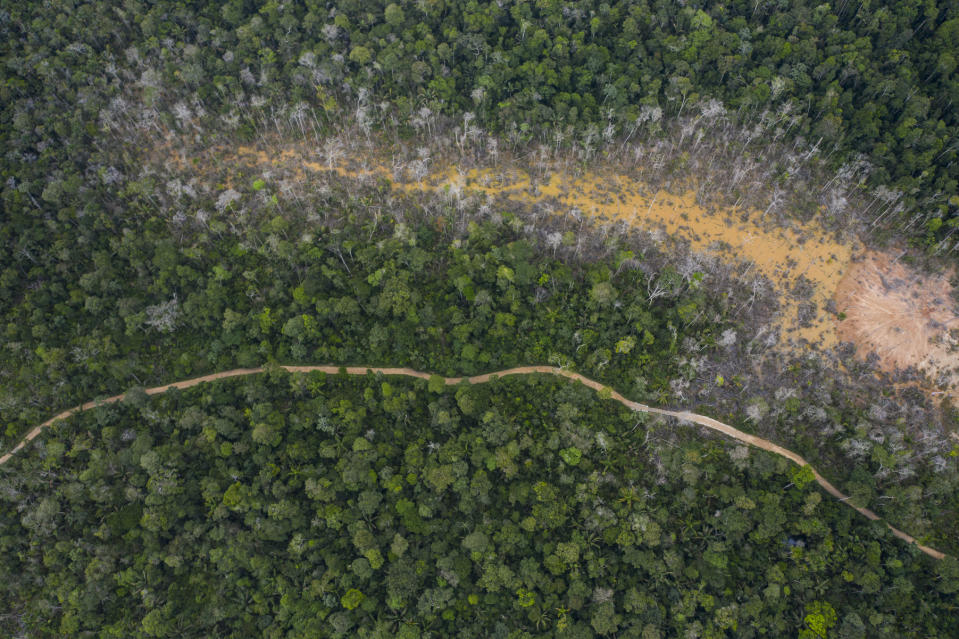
(807,266)
(783,255)
(905,320)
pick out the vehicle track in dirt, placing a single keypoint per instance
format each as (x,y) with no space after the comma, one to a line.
(683,416)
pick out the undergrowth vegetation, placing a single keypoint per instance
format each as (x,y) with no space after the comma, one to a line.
(311,505)
(135,250)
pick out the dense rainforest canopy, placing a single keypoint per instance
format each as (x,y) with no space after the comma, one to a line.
(133,255)
(338,507)
(868,80)
(302,506)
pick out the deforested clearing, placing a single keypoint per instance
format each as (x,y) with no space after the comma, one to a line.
(800,261)
(906,318)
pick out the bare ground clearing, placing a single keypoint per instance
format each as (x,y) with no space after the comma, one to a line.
(905,318)
(907,323)
(803,262)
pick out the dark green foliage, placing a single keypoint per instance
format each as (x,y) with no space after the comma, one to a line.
(175,517)
(303,506)
(852,79)
(440,294)
(361,294)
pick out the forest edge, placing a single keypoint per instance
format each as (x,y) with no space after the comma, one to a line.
(686,416)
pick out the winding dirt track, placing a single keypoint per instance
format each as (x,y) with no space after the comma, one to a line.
(702,420)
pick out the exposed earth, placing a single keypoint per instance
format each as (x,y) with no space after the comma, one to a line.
(902,316)
(906,318)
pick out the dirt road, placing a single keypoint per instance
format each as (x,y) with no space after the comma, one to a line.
(702,420)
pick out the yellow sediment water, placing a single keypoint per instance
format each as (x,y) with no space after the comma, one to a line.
(786,256)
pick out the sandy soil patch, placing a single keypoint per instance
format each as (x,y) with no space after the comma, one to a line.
(906,318)
(902,316)
(804,263)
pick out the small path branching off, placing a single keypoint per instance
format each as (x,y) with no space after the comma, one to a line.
(687,416)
